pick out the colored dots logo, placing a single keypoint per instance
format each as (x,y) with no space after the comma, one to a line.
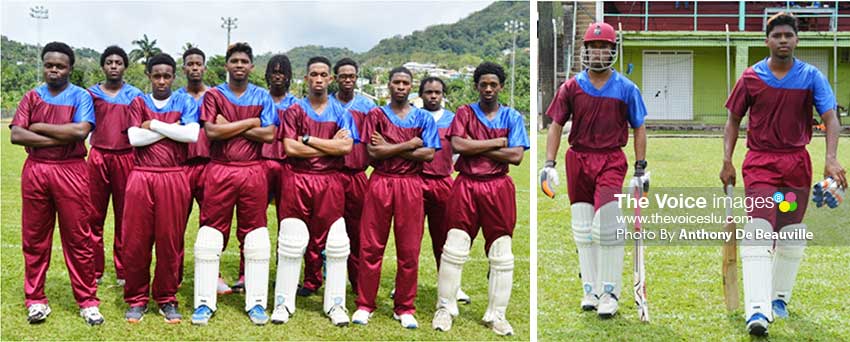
(787,202)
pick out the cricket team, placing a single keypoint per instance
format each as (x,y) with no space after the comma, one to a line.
(779,92)
(237,145)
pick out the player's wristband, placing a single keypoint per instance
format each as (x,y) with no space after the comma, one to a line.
(549,163)
(305,139)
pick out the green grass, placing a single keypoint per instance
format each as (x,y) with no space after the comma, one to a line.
(230,322)
(684,282)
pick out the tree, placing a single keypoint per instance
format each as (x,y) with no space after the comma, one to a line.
(188,46)
(147,49)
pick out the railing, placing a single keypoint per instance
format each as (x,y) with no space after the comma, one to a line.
(757,11)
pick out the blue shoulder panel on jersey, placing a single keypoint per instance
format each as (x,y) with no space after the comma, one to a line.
(125,96)
(506,118)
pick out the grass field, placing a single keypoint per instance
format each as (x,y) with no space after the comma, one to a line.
(683,282)
(230,322)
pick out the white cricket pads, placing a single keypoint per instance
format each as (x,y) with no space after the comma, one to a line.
(757,268)
(501,279)
(208,247)
(455,254)
(588,252)
(292,240)
(337,249)
(611,249)
(257,252)
(786,262)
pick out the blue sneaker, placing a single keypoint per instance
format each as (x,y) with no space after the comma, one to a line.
(202,315)
(135,314)
(779,309)
(757,325)
(258,315)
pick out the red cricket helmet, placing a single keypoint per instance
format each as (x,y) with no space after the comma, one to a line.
(599,32)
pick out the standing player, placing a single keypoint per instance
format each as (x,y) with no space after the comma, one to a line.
(602,105)
(317,133)
(488,137)
(437,174)
(779,93)
(238,117)
(51,122)
(162,124)
(402,139)
(278,76)
(111,157)
(194,67)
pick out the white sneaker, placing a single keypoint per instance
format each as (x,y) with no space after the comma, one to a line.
(608,305)
(338,316)
(222,288)
(280,314)
(442,320)
(92,315)
(37,313)
(589,302)
(407,321)
(501,326)
(462,297)
(361,317)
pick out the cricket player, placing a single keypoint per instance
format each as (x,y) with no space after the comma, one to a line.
(238,117)
(52,121)
(437,174)
(779,93)
(401,139)
(194,67)
(602,105)
(162,124)
(317,133)
(111,157)
(488,136)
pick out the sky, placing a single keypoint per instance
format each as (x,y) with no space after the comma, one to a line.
(267,26)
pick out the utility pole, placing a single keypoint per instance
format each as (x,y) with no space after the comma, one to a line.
(513,27)
(39,13)
(228,24)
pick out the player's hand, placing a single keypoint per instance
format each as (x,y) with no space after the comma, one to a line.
(416,142)
(641,182)
(549,178)
(727,175)
(503,142)
(146,124)
(342,134)
(378,139)
(832,168)
(220,120)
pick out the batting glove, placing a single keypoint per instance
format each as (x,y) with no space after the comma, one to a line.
(827,192)
(641,178)
(549,178)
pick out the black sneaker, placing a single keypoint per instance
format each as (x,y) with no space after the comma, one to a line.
(304,292)
(169,311)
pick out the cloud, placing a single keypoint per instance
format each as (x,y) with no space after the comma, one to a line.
(267,26)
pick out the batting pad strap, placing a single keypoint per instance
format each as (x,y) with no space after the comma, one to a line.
(582,219)
(456,249)
(338,244)
(610,221)
(293,238)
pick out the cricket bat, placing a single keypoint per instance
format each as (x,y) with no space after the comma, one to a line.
(730,259)
(640,271)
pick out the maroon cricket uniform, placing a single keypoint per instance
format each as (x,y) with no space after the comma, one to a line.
(437,182)
(274,156)
(159,189)
(55,180)
(483,195)
(354,183)
(394,196)
(235,175)
(314,183)
(595,162)
(779,128)
(110,162)
(197,157)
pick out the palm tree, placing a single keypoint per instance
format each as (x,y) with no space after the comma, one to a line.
(147,49)
(188,46)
